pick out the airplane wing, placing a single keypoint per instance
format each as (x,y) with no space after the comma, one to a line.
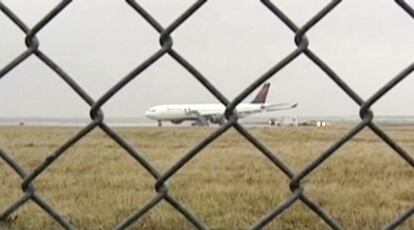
(279,106)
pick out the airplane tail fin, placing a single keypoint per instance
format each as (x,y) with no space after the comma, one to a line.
(261,96)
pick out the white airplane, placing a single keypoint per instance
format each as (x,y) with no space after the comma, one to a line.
(202,114)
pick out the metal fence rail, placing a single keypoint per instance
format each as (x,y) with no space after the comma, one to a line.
(166,48)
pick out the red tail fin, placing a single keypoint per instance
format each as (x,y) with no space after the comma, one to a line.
(261,96)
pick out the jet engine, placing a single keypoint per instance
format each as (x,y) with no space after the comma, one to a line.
(177,122)
(217,120)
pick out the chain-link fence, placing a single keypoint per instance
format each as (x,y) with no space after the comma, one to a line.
(166,42)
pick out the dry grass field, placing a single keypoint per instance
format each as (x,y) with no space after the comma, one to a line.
(229,185)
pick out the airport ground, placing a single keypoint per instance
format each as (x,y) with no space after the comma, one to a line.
(228,185)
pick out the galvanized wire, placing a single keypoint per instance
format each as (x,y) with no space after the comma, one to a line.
(166,48)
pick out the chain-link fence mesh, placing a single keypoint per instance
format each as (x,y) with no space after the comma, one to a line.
(166,42)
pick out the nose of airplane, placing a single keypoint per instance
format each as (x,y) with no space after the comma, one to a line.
(150,113)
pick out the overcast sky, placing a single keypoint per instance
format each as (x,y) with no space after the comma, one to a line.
(232,42)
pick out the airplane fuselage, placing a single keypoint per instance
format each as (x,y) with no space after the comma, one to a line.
(203,114)
(179,112)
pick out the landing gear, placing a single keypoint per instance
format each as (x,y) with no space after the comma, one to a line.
(217,119)
(159,123)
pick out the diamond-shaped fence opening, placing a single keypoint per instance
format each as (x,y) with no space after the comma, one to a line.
(372,63)
(162,194)
(156,85)
(100,31)
(41,85)
(227,53)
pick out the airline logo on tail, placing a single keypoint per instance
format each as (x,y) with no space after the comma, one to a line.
(261,96)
